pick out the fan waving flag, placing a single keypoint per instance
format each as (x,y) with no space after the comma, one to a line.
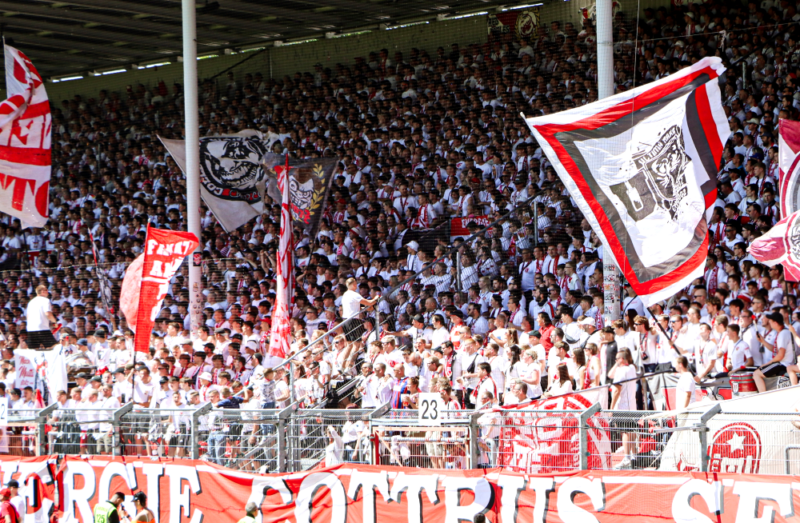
(789,165)
(642,166)
(163,254)
(280,335)
(781,244)
(25,124)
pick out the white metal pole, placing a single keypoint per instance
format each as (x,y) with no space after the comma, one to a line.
(605,88)
(192,133)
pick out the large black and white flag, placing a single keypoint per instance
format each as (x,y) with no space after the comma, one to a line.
(642,166)
(233,177)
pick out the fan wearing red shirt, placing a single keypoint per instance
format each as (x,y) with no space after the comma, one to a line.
(8,513)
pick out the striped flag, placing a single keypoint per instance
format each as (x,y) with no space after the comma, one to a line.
(642,166)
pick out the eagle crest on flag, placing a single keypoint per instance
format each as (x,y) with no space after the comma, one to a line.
(659,182)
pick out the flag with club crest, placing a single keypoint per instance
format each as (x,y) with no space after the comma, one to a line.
(641,166)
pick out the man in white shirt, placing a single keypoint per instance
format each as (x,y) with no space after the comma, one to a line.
(623,397)
(351,307)
(780,346)
(39,317)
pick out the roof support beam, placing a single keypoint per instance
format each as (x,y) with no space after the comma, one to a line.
(113,21)
(167,12)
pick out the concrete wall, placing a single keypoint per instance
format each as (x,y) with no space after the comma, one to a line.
(286,60)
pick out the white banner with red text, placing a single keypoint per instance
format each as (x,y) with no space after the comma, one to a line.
(194,491)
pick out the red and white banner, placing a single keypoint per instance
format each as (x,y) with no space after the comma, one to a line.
(193,491)
(789,165)
(781,244)
(163,253)
(37,484)
(548,440)
(25,128)
(458,226)
(642,166)
(280,334)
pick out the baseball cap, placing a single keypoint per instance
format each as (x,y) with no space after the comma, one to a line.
(5,493)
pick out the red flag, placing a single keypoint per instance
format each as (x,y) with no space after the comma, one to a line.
(163,254)
(281,329)
(25,129)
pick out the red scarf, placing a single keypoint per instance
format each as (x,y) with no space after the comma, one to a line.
(448,365)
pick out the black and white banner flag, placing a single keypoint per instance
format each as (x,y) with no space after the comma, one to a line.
(642,166)
(232,175)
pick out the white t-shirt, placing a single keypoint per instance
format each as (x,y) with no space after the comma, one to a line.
(351,304)
(686,383)
(627,397)
(37,314)
(784,341)
(740,353)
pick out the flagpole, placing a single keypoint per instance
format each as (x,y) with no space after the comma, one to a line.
(605,88)
(192,135)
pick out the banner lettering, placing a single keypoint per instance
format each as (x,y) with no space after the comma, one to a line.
(191,491)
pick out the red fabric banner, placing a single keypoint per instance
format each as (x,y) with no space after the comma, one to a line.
(163,254)
(458,226)
(25,131)
(193,491)
(280,334)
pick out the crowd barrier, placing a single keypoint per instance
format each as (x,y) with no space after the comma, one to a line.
(523,440)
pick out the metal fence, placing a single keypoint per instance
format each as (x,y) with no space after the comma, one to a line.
(528,441)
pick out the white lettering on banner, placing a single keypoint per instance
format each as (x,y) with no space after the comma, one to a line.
(309,487)
(112,470)
(28,474)
(511,487)
(712,494)
(180,494)
(565,499)
(580,498)
(153,472)
(262,485)
(76,500)
(542,487)
(751,492)
(370,481)
(453,486)
(413,487)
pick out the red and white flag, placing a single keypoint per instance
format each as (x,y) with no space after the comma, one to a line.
(25,126)
(279,339)
(788,165)
(642,168)
(781,244)
(147,279)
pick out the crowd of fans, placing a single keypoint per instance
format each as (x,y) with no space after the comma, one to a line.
(422,137)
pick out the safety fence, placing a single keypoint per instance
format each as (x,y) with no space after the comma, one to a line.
(294,439)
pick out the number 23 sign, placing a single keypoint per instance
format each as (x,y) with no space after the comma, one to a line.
(431,408)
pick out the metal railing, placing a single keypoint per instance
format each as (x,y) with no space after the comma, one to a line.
(523,440)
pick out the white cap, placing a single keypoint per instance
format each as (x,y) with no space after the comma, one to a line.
(413,245)
(206,376)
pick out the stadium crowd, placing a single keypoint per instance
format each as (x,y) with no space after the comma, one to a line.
(422,137)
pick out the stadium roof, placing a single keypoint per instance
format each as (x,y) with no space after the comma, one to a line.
(90,35)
